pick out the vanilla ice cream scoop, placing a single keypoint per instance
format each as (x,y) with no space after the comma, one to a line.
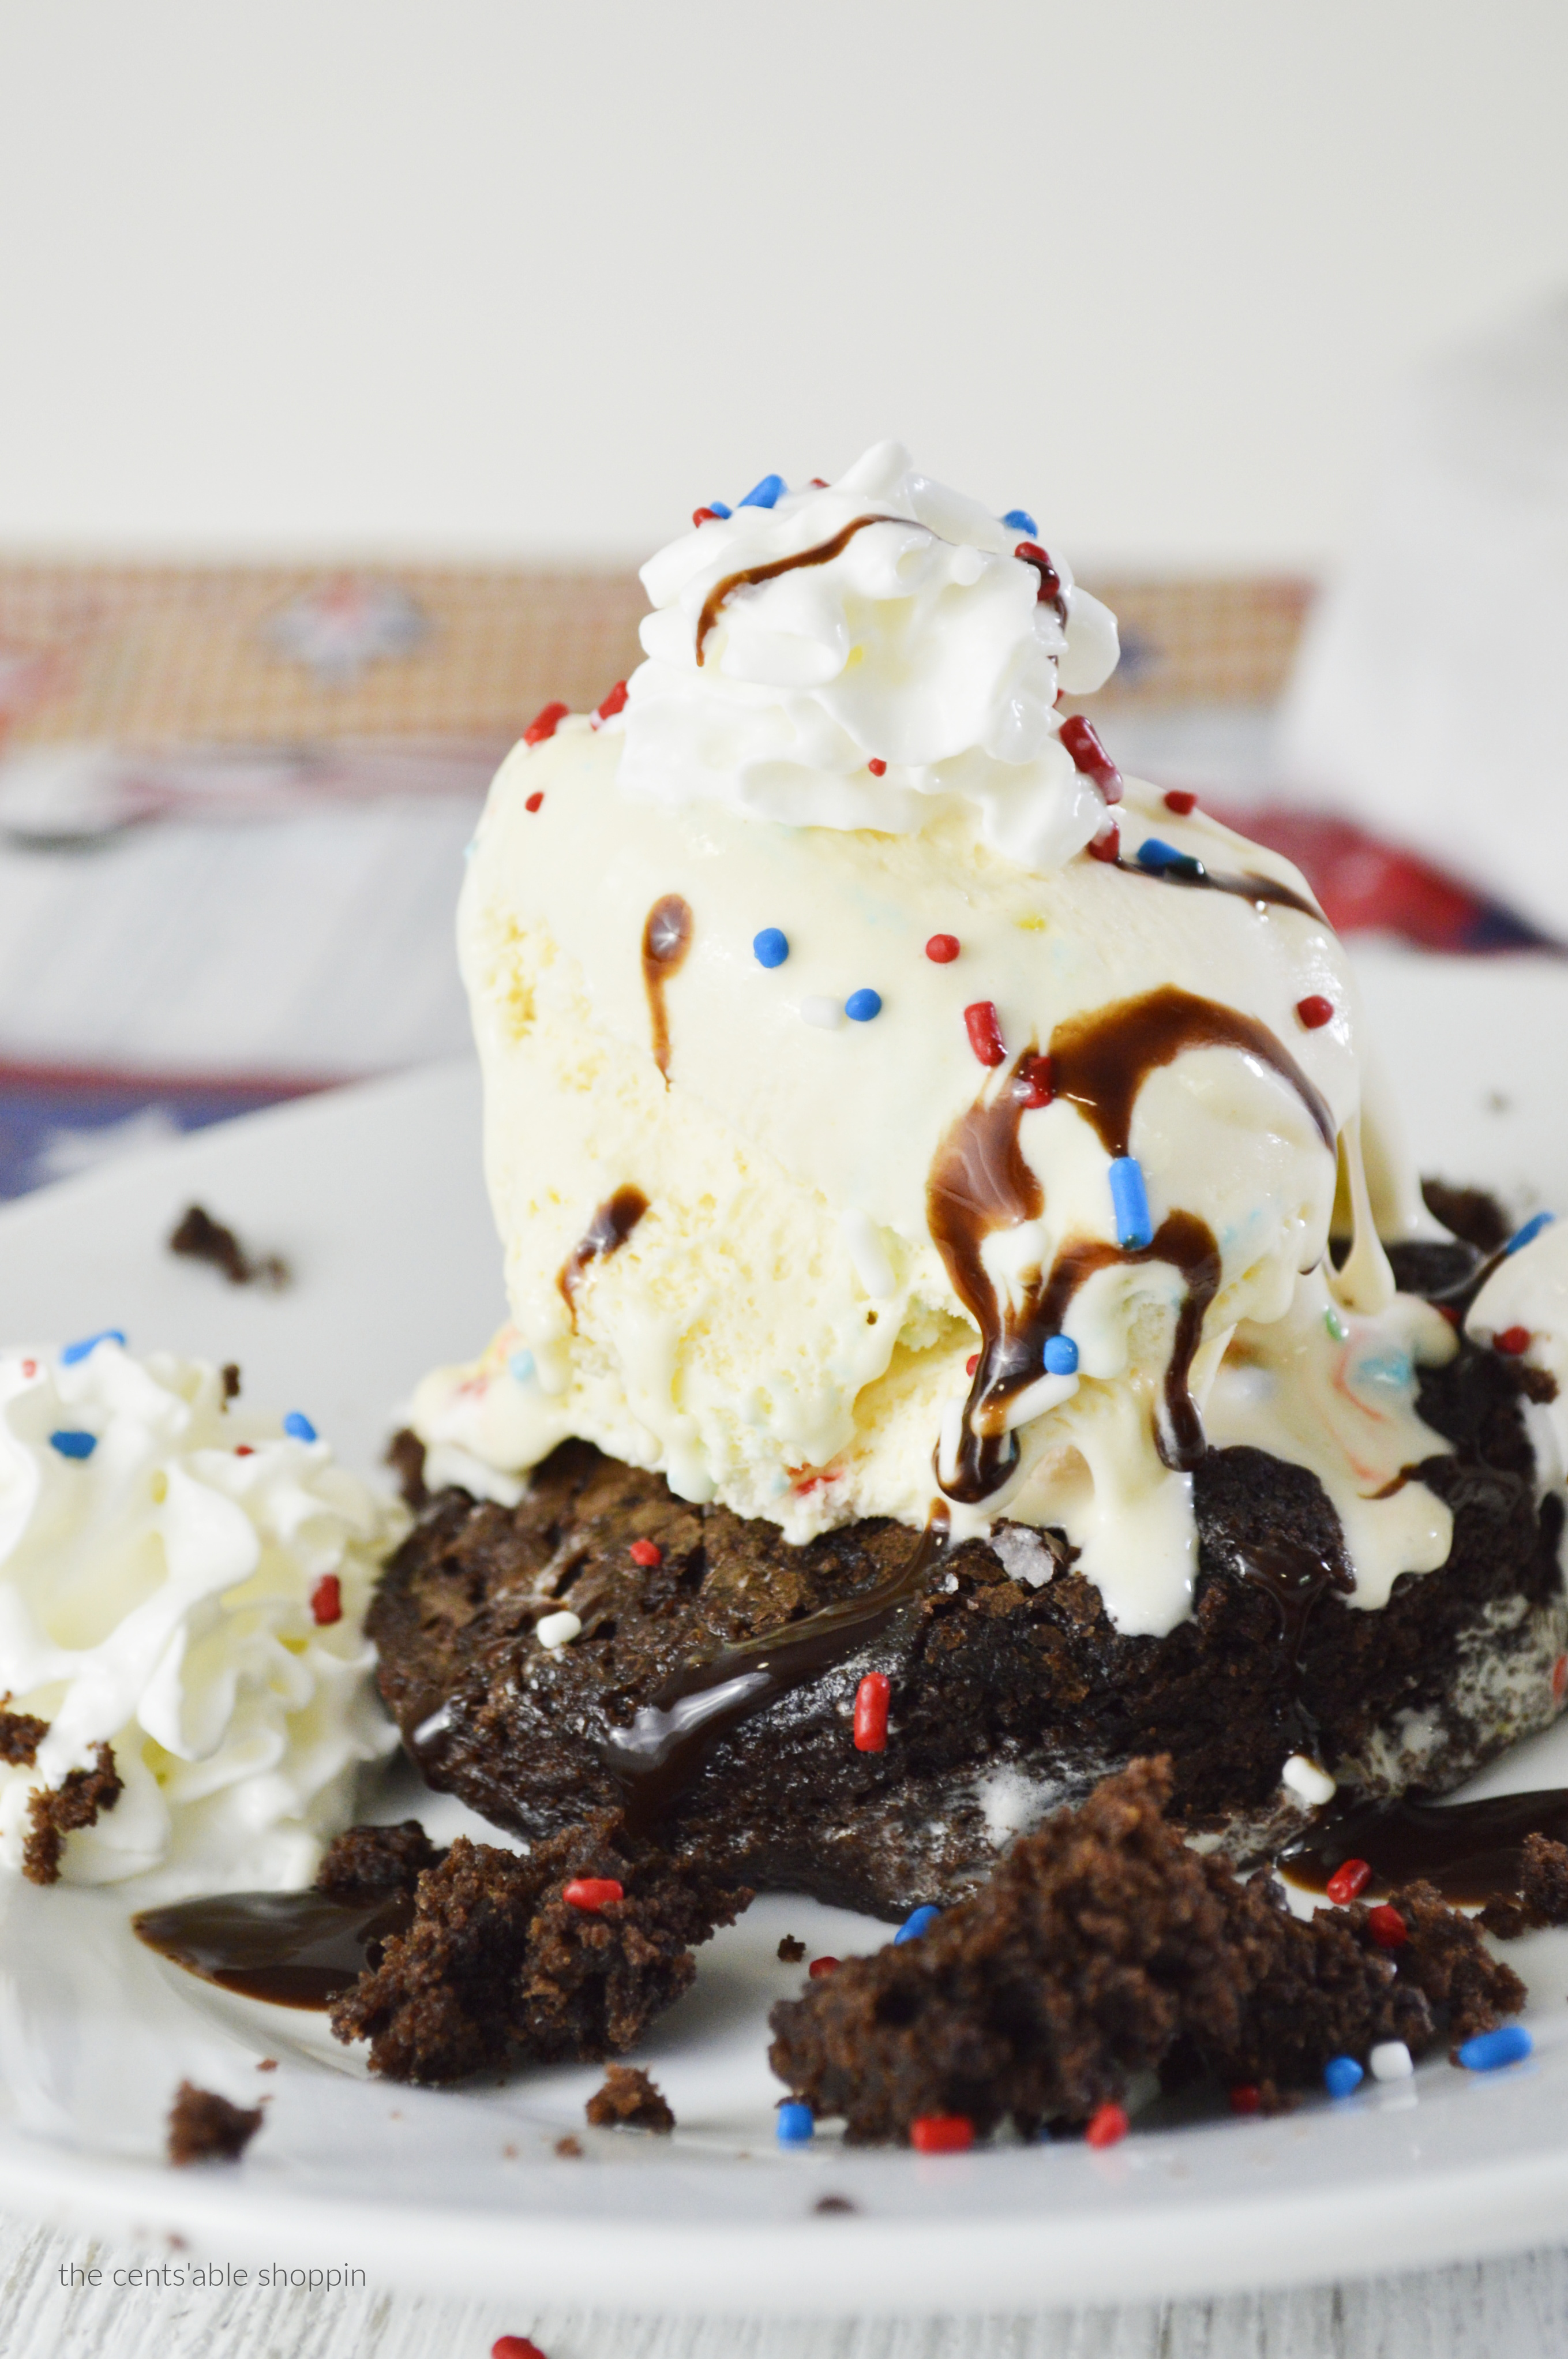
(184,1580)
(889,1110)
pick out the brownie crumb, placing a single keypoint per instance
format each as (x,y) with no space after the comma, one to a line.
(21,1738)
(405,1456)
(570,2148)
(205,2128)
(1101,1945)
(231,1375)
(199,1238)
(629,2101)
(1472,1215)
(376,1859)
(791,1951)
(497,1967)
(267,2064)
(56,1812)
(1542,1892)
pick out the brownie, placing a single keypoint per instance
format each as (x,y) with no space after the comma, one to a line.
(1103,1945)
(499,1966)
(629,2101)
(55,1811)
(376,1859)
(205,2128)
(197,1236)
(1542,1896)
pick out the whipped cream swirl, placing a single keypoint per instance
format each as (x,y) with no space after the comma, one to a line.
(183,1580)
(881,620)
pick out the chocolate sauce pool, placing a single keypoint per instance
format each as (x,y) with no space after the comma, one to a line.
(1470,1851)
(297,1949)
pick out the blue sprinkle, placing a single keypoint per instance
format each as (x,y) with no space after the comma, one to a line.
(1130,1203)
(718,508)
(796,2125)
(1020,520)
(1342,2076)
(1386,1368)
(1530,1229)
(1163,859)
(1491,2049)
(915,1923)
(73,1444)
(74,1351)
(1061,1357)
(862,1005)
(520,1366)
(769,948)
(299,1426)
(765,495)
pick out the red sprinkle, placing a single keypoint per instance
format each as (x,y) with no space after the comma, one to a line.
(1351,1876)
(942,2134)
(29,1368)
(1107,2126)
(1451,1314)
(1246,2098)
(646,1552)
(593,1891)
(533,801)
(877,769)
(1559,1678)
(1082,740)
(1315,1011)
(1107,844)
(1513,1340)
(1180,802)
(820,1966)
(971,1363)
(545,725)
(326,1600)
(984,1029)
(941,949)
(243,1450)
(817,483)
(871,1699)
(705,516)
(1387,1927)
(614,703)
(515,2346)
(1034,1085)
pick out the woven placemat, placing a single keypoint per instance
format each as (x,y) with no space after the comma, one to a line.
(158,655)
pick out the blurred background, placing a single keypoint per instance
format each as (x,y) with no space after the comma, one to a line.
(355,352)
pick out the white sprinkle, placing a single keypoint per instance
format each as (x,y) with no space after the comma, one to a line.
(1390,2060)
(824,1012)
(1306,1779)
(557,1630)
(1024,1554)
(869,1254)
(951,1583)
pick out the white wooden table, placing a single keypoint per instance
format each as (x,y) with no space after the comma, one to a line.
(1493,2309)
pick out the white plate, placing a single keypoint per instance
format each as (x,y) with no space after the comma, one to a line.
(374,1195)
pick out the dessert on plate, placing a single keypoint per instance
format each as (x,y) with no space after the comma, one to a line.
(972,1324)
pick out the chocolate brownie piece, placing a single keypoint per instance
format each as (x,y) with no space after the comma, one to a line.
(499,1966)
(1542,1897)
(205,2128)
(629,2101)
(55,1811)
(374,1859)
(1098,1946)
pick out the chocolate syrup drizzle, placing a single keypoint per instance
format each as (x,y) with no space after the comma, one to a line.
(605,1234)
(657,1757)
(667,939)
(1262,891)
(751,575)
(1471,1850)
(297,1949)
(980,1182)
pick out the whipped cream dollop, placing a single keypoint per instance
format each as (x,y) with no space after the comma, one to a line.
(861,654)
(185,1580)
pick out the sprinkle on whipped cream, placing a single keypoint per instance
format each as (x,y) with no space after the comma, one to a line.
(191,1591)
